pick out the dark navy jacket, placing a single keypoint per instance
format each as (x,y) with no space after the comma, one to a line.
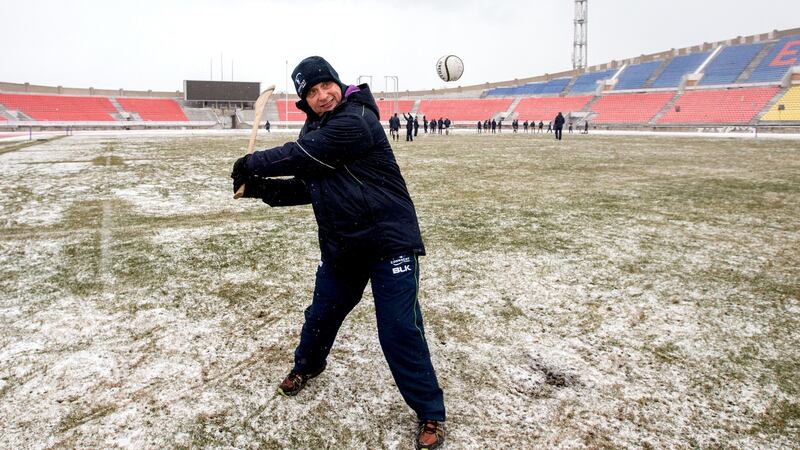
(343,165)
(559,121)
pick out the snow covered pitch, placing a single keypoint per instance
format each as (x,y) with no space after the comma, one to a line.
(601,292)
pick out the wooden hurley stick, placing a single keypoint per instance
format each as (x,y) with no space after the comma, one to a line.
(259,111)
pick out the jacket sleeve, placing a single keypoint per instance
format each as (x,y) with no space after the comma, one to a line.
(285,192)
(346,137)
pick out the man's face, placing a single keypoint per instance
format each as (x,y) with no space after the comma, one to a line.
(324,96)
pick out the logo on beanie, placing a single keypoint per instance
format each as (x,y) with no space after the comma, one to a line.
(300,84)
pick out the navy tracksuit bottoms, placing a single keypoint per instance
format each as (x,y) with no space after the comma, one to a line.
(395,287)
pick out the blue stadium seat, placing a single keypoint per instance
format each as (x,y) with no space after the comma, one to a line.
(677,68)
(543,87)
(555,86)
(784,55)
(588,81)
(502,92)
(729,63)
(634,77)
(531,88)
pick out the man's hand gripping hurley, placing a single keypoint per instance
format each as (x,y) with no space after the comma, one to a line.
(259,111)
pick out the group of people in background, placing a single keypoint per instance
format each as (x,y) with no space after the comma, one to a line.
(554,126)
(412,126)
(443,124)
(493,126)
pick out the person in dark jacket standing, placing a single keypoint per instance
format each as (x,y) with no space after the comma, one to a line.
(440,125)
(425,124)
(394,127)
(416,126)
(267,126)
(558,125)
(409,127)
(343,165)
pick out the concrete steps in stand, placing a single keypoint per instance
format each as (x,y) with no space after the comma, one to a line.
(755,62)
(666,108)
(656,73)
(569,85)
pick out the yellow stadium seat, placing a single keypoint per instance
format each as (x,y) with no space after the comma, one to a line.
(791,105)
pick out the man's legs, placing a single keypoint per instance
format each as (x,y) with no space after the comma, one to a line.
(395,286)
(335,295)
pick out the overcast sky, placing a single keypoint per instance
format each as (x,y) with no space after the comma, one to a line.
(147,44)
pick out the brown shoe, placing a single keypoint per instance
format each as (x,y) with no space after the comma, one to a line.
(295,382)
(430,435)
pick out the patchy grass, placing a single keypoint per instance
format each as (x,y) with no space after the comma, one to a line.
(601,292)
(19,146)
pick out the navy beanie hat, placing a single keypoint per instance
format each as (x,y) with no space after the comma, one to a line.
(311,71)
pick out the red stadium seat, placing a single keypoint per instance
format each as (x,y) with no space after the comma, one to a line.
(154,110)
(464,109)
(60,107)
(294,114)
(545,109)
(719,106)
(630,108)
(387,108)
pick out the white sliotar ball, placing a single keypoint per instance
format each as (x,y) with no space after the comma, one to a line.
(450,67)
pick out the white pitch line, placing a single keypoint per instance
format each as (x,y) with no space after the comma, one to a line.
(105,245)
(105,241)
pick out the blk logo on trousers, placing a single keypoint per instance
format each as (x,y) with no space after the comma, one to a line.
(396,270)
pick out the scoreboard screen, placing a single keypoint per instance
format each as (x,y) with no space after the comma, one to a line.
(222,91)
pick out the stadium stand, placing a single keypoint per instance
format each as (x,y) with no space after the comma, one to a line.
(555,86)
(634,77)
(677,68)
(532,88)
(386,108)
(526,89)
(546,108)
(629,108)
(784,55)
(201,115)
(294,114)
(726,67)
(646,94)
(719,106)
(149,109)
(543,87)
(504,91)
(791,107)
(587,82)
(464,109)
(60,107)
